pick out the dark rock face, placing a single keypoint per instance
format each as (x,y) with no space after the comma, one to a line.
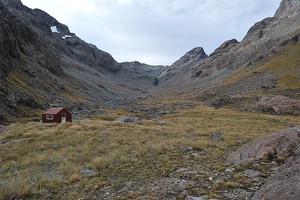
(284,184)
(18,38)
(44,17)
(16,4)
(8,42)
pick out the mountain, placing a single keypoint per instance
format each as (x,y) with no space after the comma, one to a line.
(43,63)
(175,72)
(262,42)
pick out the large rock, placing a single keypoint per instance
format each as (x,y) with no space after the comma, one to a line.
(284,184)
(280,144)
(127,119)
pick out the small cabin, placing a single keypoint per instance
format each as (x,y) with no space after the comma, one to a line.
(56,115)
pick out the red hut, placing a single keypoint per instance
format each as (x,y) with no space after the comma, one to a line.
(57,115)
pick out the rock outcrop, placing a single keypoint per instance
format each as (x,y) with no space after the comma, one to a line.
(285,144)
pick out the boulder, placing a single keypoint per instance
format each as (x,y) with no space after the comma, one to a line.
(3,142)
(194,198)
(127,119)
(187,148)
(284,184)
(216,136)
(283,143)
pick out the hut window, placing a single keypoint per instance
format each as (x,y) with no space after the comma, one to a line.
(49,117)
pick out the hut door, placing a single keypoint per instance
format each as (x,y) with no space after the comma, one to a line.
(63,118)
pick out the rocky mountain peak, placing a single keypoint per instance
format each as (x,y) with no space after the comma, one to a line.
(285,6)
(197,53)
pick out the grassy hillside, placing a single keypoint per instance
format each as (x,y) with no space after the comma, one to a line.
(170,157)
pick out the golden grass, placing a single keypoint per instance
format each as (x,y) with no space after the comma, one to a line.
(52,156)
(71,95)
(286,67)
(15,78)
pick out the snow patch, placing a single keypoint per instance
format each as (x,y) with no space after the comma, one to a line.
(66,36)
(162,74)
(54,29)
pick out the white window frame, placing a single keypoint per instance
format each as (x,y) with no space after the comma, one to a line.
(49,117)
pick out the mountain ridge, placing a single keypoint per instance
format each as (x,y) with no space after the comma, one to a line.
(82,73)
(263,40)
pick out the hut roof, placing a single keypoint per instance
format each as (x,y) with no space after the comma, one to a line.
(53,111)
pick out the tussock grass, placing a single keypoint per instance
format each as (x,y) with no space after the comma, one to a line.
(52,157)
(15,188)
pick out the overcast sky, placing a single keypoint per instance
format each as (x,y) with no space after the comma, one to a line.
(157,31)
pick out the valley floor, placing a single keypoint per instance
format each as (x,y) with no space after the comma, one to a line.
(169,156)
